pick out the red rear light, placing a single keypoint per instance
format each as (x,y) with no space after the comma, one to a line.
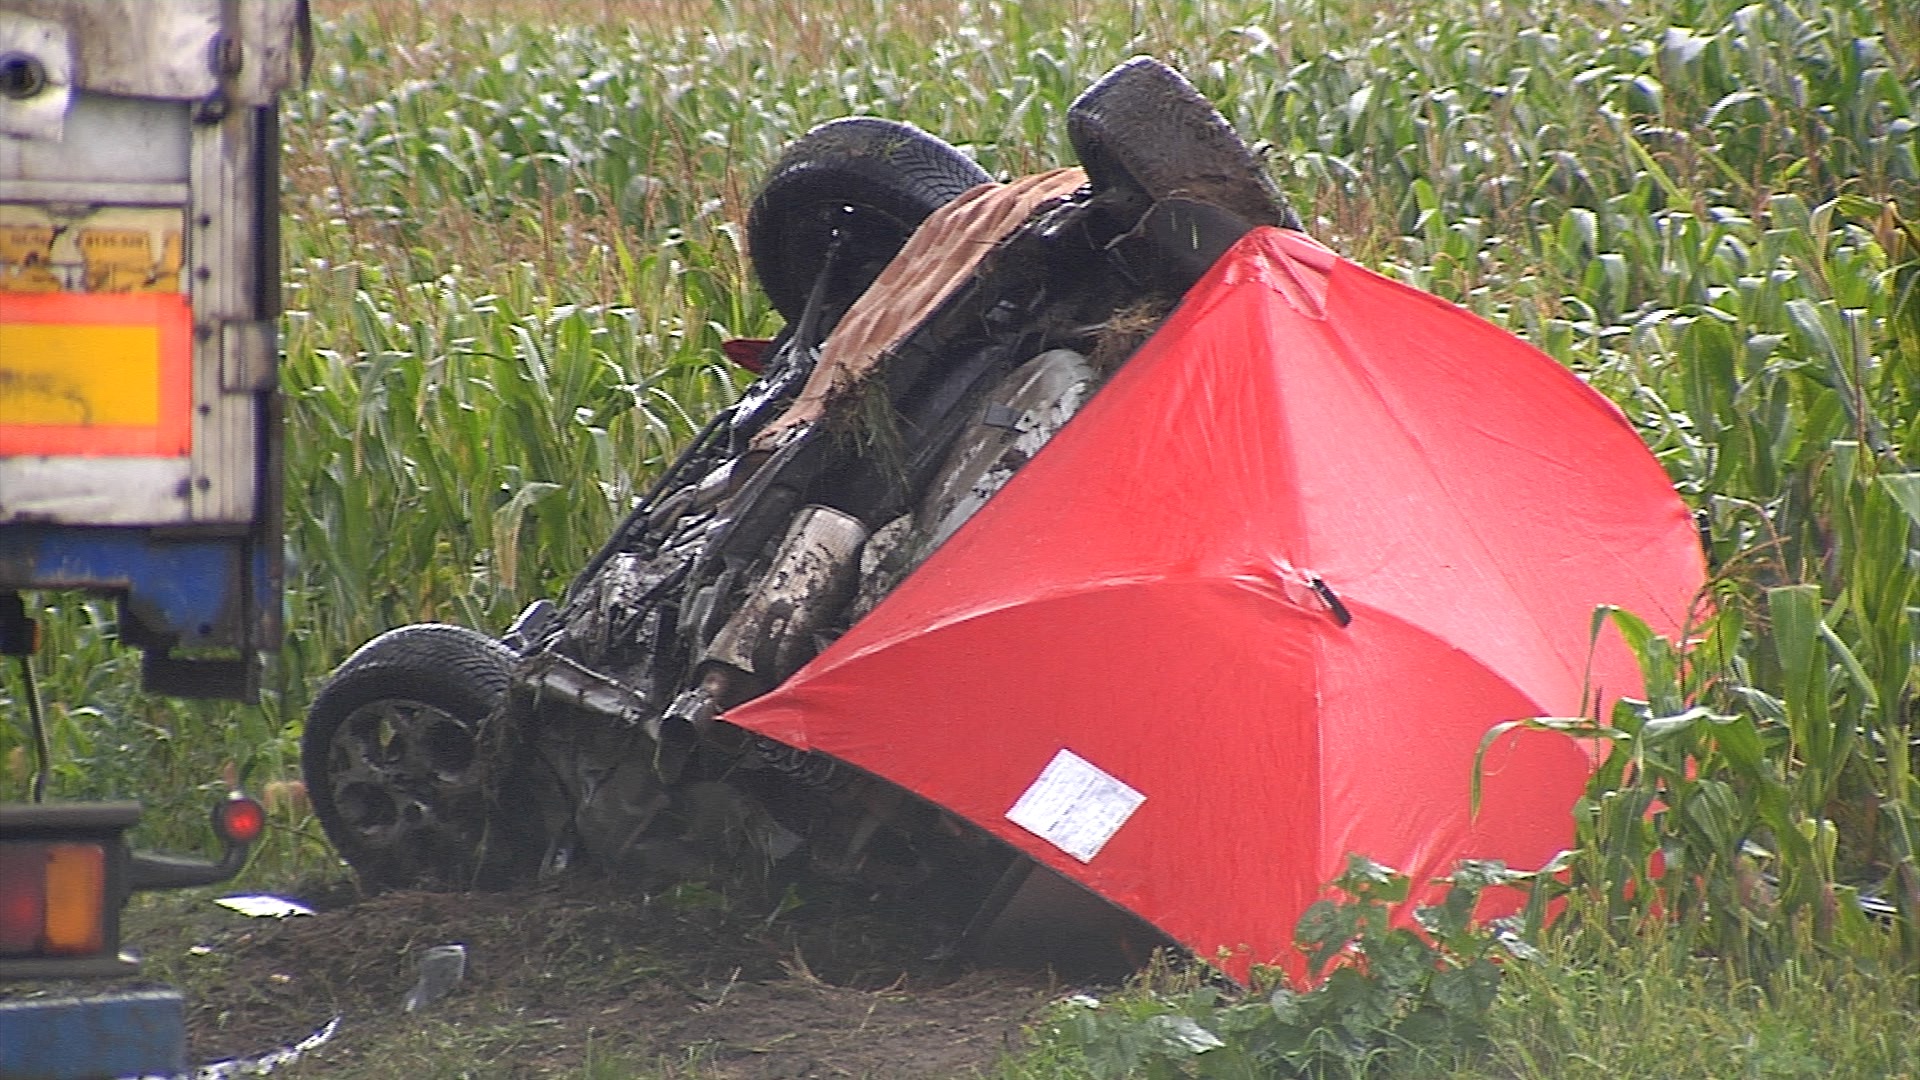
(23,898)
(239,820)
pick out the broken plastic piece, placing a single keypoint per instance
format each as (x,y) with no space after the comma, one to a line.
(261,906)
(441,969)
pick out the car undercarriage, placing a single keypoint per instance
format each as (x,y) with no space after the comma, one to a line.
(940,328)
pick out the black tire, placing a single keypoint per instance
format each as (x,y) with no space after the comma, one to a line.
(876,179)
(394,764)
(1143,126)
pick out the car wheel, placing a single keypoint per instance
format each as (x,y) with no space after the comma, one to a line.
(394,763)
(1143,126)
(874,180)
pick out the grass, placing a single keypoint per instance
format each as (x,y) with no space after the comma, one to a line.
(1647,1009)
(514,245)
(1653,1009)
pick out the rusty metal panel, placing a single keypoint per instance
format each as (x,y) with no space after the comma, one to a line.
(94,491)
(106,140)
(223,281)
(178,49)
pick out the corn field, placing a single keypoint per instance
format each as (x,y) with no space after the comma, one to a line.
(514,238)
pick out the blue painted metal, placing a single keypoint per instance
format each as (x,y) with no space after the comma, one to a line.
(129,1033)
(193,591)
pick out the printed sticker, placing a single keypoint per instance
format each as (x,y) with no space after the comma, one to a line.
(116,259)
(26,258)
(1075,806)
(113,249)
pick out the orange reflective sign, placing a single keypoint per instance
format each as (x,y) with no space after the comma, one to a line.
(76,898)
(96,375)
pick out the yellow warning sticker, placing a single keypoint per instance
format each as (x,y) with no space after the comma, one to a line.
(95,375)
(79,375)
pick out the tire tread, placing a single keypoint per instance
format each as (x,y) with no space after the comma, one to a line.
(1143,125)
(895,172)
(461,670)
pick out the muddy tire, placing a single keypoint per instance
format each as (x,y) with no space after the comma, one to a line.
(1143,126)
(394,765)
(876,180)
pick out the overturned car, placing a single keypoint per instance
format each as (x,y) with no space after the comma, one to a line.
(890,621)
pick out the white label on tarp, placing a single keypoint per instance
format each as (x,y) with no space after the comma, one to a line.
(1075,806)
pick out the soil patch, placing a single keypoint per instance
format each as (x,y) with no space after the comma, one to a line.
(564,976)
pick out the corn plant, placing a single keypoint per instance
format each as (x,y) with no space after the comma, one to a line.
(1770,767)
(514,245)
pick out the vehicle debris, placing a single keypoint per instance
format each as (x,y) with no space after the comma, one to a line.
(262,906)
(1082,535)
(265,1063)
(441,969)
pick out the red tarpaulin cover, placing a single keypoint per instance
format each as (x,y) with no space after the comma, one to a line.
(1143,596)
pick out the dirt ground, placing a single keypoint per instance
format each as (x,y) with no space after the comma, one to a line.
(565,976)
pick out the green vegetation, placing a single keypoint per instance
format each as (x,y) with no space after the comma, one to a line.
(1421,998)
(515,244)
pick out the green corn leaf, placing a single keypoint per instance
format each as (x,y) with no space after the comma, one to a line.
(1800,647)
(1905,489)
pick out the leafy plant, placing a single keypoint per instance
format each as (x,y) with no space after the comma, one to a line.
(1725,823)
(513,247)
(1761,793)
(1380,993)
(513,239)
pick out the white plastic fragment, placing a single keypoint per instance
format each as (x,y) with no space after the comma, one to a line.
(441,969)
(267,1062)
(260,906)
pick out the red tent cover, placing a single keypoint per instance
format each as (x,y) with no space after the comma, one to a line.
(1152,607)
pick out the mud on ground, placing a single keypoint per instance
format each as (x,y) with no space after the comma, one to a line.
(584,978)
